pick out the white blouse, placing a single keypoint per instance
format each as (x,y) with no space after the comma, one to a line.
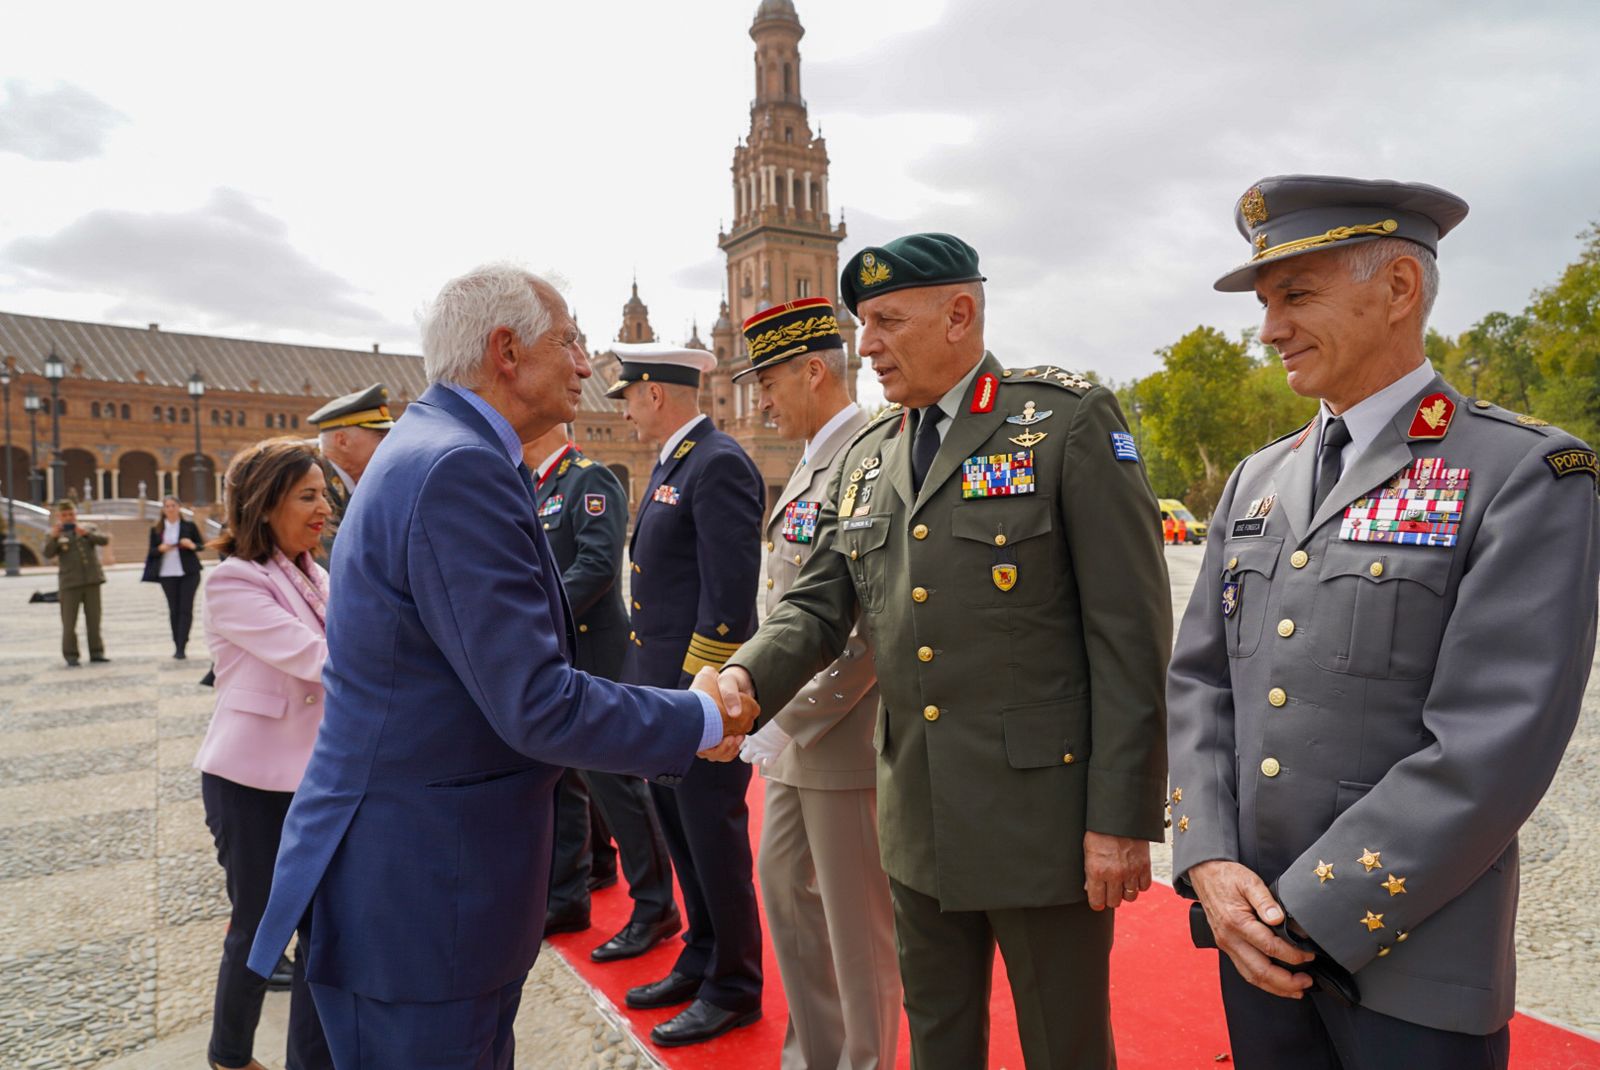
(171,563)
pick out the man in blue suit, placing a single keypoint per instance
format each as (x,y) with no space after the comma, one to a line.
(696,560)
(420,838)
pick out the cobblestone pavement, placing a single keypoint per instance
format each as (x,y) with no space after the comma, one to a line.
(112,906)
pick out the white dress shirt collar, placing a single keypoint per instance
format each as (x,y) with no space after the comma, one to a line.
(678,436)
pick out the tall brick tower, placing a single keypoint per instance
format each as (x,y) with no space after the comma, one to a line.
(783,244)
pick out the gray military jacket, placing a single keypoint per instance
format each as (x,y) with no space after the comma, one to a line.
(1368,723)
(831,719)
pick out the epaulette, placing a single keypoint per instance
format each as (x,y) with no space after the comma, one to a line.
(584,462)
(1480,407)
(894,411)
(1049,373)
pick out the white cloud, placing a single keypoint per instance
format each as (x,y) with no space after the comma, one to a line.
(56,125)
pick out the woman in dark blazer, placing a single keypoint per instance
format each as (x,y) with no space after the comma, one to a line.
(174,563)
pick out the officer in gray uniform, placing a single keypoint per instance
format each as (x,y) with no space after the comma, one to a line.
(1362,710)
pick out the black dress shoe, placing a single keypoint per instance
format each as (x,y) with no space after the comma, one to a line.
(282,978)
(566,920)
(701,1021)
(636,938)
(673,988)
(72,663)
(100,660)
(180,656)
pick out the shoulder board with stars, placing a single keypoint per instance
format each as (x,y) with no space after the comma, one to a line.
(1480,407)
(1050,374)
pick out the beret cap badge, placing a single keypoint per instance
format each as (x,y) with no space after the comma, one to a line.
(873,271)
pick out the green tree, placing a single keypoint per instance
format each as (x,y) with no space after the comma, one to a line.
(1563,333)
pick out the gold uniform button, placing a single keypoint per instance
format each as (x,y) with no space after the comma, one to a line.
(1067,758)
(1299,558)
(1270,767)
(853,555)
(924,653)
(1000,540)
(1277,696)
(547,525)
(1286,627)
(769,585)
(1376,568)
(636,605)
(583,627)
(919,594)
(798,558)
(1233,562)
(930,713)
(920,531)
(770,546)
(1481,404)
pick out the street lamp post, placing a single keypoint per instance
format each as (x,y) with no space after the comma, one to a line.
(197,390)
(55,371)
(13,551)
(31,404)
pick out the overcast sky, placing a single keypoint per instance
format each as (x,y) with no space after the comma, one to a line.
(314,172)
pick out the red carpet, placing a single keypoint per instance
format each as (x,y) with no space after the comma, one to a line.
(1165,1007)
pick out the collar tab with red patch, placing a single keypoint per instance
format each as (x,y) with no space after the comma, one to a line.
(1433,417)
(984,392)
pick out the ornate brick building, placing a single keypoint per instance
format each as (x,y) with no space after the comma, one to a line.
(128,421)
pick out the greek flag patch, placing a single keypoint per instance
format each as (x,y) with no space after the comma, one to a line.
(1122,447)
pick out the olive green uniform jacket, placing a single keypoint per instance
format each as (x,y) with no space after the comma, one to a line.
(80,560)
(1021,641)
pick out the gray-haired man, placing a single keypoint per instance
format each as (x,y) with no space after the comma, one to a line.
(1359,722)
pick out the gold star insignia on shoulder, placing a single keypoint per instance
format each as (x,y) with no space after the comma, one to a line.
(1183,823)
(1371,859)
(1324,872)
(1372,921)
(1177,794)
(1395,885)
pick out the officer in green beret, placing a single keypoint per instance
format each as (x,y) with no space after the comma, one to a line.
(349,431)
(1362,717)
(997,534)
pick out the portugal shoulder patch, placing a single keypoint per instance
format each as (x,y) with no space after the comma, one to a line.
(1573,461)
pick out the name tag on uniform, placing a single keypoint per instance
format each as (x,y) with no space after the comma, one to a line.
(551,506)
(998,475)
(1250,527)
(858,523)
(800,521)
(666,495)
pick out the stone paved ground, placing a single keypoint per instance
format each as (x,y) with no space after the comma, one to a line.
(112,907)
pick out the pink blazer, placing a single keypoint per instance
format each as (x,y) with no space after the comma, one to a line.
(269,648)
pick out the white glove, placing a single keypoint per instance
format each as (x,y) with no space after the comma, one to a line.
(765,745)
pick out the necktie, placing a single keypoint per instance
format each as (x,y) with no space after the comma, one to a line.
(1335,437)
(926,445)
(527,478)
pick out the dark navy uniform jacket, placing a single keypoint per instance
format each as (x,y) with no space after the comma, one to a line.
(696,553)
(584,513)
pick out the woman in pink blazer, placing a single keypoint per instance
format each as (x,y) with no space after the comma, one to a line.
(264,613)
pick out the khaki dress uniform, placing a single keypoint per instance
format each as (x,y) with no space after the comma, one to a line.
(1019,611)
(827,900)
(80,578)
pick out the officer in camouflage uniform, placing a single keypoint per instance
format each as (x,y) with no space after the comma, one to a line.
(1004,546)
(1382,662)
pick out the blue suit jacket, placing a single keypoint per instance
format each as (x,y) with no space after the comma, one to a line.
(421,835)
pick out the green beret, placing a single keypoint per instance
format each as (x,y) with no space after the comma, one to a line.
(914,260)
(1291,215)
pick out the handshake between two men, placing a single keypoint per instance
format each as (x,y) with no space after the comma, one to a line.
(735,696)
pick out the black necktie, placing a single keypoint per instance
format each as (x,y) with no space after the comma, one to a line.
(1335,437)
(926,445)
(527,477)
